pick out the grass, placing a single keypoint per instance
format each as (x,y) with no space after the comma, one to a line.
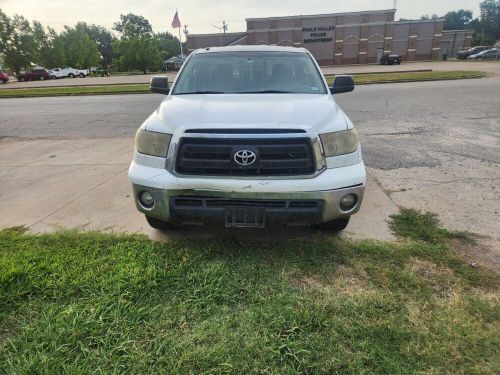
(365,79)
(102,303)
(360,79)
(74,90)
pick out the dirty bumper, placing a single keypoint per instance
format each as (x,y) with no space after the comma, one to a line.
(248,203)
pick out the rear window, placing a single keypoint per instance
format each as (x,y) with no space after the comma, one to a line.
(250,72)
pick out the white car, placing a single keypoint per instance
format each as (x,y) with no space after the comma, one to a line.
(67,72)
(491,54)
(82,73)
(248,136)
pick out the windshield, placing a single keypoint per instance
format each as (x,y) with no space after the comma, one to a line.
(250,73)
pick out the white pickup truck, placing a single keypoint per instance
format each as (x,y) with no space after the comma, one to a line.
(248,136)
(68,72)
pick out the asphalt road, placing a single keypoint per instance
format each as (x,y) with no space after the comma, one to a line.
(401,124)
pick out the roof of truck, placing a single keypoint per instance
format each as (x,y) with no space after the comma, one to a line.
(258,48)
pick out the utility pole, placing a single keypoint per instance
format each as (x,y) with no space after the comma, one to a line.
(395,6)
(220,33)
(224,26)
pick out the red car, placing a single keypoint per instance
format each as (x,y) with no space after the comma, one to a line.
(32,75)
(3,77)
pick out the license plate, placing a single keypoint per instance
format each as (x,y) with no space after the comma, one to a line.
(245,218)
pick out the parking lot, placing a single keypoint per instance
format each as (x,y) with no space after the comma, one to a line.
(428,145)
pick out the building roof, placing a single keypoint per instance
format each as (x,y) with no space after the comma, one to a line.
(250,48)
(324,15)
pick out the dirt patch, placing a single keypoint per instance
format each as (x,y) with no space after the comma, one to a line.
(484,251)
(351,280)
(441,279)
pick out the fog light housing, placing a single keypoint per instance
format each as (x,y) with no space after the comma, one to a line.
(147,199)
(348,202)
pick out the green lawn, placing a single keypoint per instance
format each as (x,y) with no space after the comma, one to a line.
(101,303)
(74,90)
(360,79)
(363,79)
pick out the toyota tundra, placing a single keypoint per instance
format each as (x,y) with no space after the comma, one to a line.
(248,136)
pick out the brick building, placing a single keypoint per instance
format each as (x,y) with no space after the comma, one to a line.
(347,38)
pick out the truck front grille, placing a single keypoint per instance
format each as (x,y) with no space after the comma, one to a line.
(274,157)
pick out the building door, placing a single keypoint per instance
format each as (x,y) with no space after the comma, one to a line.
(380,53)
(444,49)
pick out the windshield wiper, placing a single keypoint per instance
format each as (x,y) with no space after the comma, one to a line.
(200,92)
(266,92)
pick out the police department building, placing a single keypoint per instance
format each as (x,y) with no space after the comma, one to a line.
(347,38)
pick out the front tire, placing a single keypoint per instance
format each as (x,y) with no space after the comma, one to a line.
(160,224)
(71,75)
(82,75)
(42,78)
(336,225)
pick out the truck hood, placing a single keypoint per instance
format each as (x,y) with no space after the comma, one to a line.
(318,113)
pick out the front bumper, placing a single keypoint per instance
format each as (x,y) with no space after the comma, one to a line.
(327,188)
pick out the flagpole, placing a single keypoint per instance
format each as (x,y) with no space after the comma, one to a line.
(180,42)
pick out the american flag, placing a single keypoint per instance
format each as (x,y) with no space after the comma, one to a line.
(176,22)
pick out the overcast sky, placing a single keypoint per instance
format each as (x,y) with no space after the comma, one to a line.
(200,15)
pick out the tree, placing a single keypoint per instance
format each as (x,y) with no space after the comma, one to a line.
(19,46)
(49,46)
(457,20)
(168,45)
(103,39)
(490,20)
(138,52)
(132,25)
(80,50)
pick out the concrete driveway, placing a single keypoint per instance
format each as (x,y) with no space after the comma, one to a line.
(82,184)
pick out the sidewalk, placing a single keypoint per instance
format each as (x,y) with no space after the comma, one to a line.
(63,184)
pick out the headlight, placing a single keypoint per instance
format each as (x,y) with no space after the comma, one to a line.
(340,143)
(152,143)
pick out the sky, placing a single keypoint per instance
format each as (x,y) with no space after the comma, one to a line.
(200,15)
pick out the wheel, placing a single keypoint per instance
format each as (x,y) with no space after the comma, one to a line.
(71,75)
(160,224)
(334,225)
(52,77)
(22,79)
(399,62)
(42,78)
(82,75)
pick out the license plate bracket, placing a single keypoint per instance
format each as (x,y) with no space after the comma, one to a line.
(236,217)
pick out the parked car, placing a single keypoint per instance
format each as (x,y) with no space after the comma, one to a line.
(239,141)
(56,73)
(33,75)
(82,73)
(462,55)
(390,59)
(492,54)
(4,78)
(66,72)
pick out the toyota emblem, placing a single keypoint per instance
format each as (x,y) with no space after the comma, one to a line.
(245,157)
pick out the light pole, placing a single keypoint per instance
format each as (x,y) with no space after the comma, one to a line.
(220,33)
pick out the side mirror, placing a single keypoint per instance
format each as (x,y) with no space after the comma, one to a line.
(342,84)
(159,85)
